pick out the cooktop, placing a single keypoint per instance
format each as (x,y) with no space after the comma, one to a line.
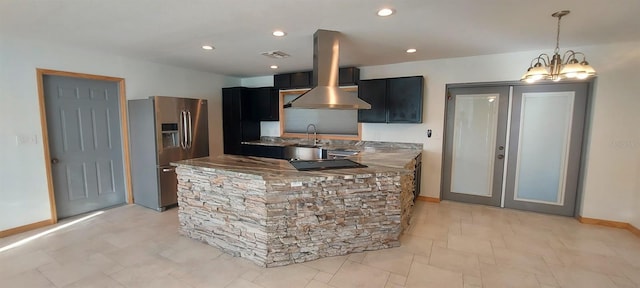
(324,164)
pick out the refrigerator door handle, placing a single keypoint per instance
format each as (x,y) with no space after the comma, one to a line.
(189,131)
(183,137)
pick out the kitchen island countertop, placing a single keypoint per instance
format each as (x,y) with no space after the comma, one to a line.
(266,211)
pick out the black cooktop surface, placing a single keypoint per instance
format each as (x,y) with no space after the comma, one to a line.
(324,164)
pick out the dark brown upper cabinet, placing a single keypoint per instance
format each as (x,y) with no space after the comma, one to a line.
(393,100)
(298,80)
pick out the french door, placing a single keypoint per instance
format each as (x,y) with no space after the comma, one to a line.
(515,146)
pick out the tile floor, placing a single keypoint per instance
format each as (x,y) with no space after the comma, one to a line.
(448,245)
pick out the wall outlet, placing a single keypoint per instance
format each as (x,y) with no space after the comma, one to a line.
(26,140)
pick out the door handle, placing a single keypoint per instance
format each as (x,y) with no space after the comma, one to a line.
(54,160)
(183,137)
(189,131)
(500,156)
(168,169)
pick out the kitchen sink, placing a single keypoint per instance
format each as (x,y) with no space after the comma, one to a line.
(304,152)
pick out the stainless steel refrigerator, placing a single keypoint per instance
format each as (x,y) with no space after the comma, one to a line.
(164,130)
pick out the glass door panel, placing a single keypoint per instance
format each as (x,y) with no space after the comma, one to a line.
(474,144)
(542,165)
(547,123)
(474,137)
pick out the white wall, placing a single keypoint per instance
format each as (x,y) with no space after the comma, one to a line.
(611,189)
(23,186)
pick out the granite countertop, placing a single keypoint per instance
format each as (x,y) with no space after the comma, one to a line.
(379,159)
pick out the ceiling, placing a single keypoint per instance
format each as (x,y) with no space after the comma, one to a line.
(173,31)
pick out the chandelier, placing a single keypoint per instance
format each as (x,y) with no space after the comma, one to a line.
(557,68)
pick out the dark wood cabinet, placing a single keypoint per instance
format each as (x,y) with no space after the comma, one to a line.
(282,81)
(276,152)
(238,122)
(393,100)
(417,177)
(301,80)
(404,99)
(264,103)
(293,80)
(373,92)
(347,76)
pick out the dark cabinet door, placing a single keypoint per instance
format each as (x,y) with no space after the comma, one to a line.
(276,152)
(404,100)
(266,103)
(301,80)
(231,120)
(349,76)
(238,121)
(282,81)
(373,92)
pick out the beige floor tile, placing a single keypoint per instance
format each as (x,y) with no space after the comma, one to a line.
(397,279)
(426,276)
(633,273)
(250,275)
(147,272)
(472,280)
(622,282)
(454,260)
(131,246)
(318,284)
(592,262)
(393,260)
(194,253)
(525,262)
(415,244)
(242,283)
(547,280)
(12,263)
(435,231)
(215,273)
(357,257)
(485,231)
(574,277)
(470,244)
(353,274)
(65,274)
(29,278)
(498,276)
(329,264)
(323,277)
(96,281)
(588,246)
(296,275)
(523,243)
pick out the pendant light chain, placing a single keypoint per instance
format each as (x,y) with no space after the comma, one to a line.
(557,50)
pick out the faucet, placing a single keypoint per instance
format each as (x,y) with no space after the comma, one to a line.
(315,134)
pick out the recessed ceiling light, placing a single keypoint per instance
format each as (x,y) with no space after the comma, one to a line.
(384,12)
(207,47)
(279,33)
(411,50)
(273,66)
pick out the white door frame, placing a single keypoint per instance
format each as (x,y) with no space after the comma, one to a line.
(124,130)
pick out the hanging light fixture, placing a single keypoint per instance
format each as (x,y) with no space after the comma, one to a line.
(557,68)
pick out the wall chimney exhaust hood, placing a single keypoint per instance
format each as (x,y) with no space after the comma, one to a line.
(325,93)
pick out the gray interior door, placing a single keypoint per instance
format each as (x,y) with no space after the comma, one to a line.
(475,141)
(545,146)
(83,122)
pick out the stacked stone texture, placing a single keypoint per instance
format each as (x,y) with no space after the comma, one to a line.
(293,220)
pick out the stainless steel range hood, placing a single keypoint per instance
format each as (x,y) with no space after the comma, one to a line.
(325,93)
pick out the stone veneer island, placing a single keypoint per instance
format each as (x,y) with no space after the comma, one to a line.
(266,211)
